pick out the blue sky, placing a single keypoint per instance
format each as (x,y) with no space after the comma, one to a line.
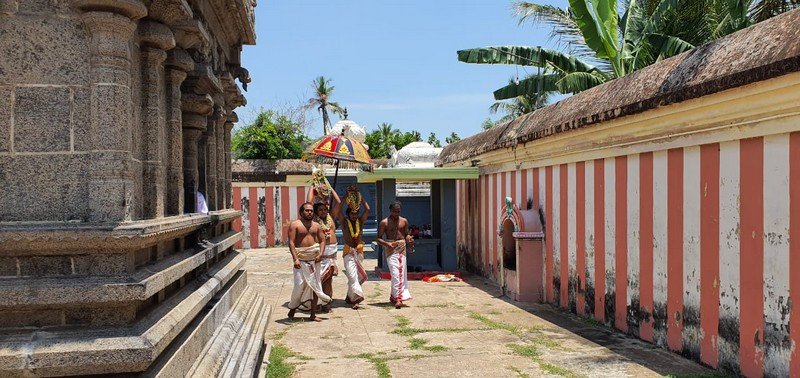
(390,61)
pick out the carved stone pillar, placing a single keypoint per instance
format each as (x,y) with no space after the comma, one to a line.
(232,118)
(196,109)
(177,65)
(155,38)
(111,26)
(221,156)
(210,137)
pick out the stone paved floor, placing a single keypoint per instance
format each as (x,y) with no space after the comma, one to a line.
(459,329)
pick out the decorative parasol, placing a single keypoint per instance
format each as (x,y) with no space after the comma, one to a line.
(336,148)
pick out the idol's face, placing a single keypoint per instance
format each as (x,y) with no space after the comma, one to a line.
(352,215)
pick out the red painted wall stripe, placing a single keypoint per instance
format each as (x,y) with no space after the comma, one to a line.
(646,243)
(794,249)
(286,217)
(563,230)
(580,235)
(751,256)
(621,243)
(253,216)
(709,252)
(599,241)
(548,188)
(237,205)
(674,248)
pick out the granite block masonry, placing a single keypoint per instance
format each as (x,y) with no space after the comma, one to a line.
(114,114)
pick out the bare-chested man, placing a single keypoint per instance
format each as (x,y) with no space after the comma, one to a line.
(324,215)
(394,237)
(353,231)
(306,243)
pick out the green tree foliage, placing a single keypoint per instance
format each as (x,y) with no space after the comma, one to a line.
(606,39)
(271,135)
(488,124)
(323,90)
(434,141)
(381,140)
(452,138)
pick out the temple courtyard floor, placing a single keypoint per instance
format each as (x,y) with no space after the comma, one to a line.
(450,329)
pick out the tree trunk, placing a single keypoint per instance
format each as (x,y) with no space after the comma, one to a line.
(325,120)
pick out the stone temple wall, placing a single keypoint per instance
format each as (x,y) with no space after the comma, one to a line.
(113,115)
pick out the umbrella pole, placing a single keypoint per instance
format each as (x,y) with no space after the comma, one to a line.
(336,175)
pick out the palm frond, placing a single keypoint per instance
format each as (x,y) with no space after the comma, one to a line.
(529,86)
(668,46)
(575,82)
(524,56)
(764,9)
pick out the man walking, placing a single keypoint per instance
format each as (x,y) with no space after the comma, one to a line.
(306,244)
(322,215)
(353,230)
(393,236)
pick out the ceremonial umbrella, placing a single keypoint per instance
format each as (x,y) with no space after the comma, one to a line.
(338,148)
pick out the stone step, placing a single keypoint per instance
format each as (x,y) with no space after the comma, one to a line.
(235,350)
(122,350)
(187,348)
(31,293)
(245,361)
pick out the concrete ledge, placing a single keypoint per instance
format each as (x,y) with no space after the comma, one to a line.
(149,280)
(114,350)
(221,216)
(79,238)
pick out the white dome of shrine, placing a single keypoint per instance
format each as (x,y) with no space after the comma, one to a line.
(415,155)
(351,130)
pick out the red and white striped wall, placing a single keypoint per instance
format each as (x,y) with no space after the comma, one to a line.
(696,249)
(267,213)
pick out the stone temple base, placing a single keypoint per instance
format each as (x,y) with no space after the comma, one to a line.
(164,297)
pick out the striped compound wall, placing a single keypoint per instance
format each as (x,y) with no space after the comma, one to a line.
(267,213)
(696,249)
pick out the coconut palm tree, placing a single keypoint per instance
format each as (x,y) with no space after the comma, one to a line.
(603,44)
(323,91)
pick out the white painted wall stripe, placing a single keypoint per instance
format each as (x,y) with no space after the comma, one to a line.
(610,226)
(729,250)
(557,233)
(572,246)
(262,228)
(776,251)
(246,219)
(519,199)
(691,249)
(660,206)
(589,229)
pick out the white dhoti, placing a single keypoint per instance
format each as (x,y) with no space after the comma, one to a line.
(328,262)
(397,267)
(356,275)
(307,283)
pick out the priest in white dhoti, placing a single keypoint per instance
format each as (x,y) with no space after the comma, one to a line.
(394,237)
(306,244)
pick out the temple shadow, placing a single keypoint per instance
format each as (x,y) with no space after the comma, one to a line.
(649,355)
